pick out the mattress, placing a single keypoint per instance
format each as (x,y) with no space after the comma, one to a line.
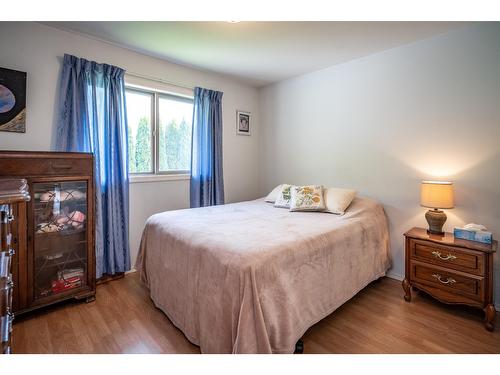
(251,278)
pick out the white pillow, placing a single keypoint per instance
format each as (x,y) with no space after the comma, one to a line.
(337,200)
(273,195)
(284,197)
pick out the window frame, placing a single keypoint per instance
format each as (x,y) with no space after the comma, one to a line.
(152,125)
(155,142)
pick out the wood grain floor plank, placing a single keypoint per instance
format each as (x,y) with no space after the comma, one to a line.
(123,319)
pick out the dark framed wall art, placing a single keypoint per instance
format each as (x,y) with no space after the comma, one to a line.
(242,123)
(12,101)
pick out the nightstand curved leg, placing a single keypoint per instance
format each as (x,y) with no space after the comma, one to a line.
(407,289)
(489,319)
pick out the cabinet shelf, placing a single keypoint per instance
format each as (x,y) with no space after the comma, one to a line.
(50,201)
(61,233)
(48,244)
(63,258)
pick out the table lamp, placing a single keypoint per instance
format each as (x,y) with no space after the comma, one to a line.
(436,195)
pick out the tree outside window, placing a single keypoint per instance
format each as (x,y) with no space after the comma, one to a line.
(170,131)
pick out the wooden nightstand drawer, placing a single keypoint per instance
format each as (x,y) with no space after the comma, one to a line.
(454,282)
(448,256)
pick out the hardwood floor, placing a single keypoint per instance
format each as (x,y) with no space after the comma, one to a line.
(124,320)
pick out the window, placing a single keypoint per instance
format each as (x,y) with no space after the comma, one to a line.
(159,132)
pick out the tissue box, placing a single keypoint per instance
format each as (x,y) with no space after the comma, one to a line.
(473,235)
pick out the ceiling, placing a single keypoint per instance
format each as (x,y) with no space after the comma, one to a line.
(259,52)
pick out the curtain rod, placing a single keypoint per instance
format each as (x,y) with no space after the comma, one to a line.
(158,80)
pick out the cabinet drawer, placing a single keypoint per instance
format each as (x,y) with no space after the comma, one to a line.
(448,256)
(47,166)
(470,286)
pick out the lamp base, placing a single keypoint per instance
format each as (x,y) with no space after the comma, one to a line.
(436,219)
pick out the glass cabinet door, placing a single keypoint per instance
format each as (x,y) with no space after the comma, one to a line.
(60,238)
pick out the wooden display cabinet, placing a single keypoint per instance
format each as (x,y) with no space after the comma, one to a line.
(54,234)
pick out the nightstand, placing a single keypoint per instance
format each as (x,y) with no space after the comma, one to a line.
(452,270)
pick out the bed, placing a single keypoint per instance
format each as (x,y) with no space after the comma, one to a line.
(251,278)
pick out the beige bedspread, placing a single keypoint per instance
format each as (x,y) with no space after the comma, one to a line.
(251,278)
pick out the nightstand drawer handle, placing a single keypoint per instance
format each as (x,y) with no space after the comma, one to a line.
(449,280)
(437,254)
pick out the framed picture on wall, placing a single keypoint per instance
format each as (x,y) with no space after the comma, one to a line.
(242,123)
(12,101)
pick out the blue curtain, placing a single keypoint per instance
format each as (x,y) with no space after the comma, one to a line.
(92,118)
(207,184)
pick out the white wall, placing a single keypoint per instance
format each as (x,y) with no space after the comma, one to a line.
(38,49)
(381,124)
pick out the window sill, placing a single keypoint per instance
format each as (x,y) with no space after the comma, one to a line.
(157,178)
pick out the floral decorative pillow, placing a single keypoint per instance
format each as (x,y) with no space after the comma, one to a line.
(307,198)
(283,200)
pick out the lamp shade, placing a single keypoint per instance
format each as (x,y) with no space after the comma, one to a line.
(436,194)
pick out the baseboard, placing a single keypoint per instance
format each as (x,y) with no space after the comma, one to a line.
(394,276)
(106,278)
